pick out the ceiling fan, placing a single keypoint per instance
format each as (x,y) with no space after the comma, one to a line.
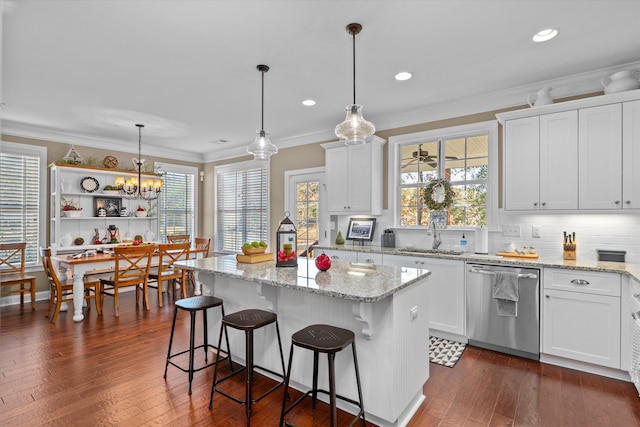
(423,156)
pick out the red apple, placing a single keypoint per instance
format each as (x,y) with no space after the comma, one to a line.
(323,262)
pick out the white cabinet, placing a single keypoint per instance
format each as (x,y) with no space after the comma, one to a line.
(600,157)
(353,175)
(631,155)
(581,316)
(581,154)
(65,183)
(352,256)
(540,166)
(446,289)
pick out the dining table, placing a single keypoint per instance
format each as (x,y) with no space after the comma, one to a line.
(84,263)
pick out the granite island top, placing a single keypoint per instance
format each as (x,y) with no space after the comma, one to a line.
(346,280)
(629,269)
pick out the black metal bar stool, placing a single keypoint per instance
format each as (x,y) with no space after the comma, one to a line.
(193,305)
(330,340)
(248,321)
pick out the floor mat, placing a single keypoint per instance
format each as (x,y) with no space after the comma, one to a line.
(445,352)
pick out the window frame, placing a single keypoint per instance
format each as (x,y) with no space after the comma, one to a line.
(163,168)
(396,142)
(235,167)
(14,148)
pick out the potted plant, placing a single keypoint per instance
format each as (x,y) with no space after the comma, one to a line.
(111,190)
(71,208)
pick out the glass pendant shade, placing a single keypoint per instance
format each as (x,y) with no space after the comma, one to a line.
(355,129)
(261,147)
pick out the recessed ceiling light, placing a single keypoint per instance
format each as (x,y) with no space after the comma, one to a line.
(308,102)
(404,75)
(545,35)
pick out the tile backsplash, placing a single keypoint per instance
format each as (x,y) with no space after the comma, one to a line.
(616,231)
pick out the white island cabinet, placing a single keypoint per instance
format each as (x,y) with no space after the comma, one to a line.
(354,177)
(384,306)
(84,186)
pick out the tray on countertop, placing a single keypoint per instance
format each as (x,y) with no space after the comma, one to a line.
(255,258)
(517,255)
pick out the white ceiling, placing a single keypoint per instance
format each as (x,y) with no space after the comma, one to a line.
(86,71)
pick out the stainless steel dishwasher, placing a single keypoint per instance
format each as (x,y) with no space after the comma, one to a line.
(518,335)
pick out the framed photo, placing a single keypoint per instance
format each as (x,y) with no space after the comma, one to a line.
(111,204)
(361,228)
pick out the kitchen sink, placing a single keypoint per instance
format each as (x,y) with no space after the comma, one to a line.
(428,251)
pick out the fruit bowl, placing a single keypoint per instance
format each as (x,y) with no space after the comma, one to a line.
(253,251)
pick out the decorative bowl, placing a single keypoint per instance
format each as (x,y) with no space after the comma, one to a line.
(73,214)
(141,214)
(253,251)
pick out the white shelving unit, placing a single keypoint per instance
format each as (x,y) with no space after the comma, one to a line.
(65,182)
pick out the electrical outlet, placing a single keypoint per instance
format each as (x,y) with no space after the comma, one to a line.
(511,230)
(535,231)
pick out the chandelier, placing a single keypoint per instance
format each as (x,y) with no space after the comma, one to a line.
(355,128)
(262,148)
(135,187)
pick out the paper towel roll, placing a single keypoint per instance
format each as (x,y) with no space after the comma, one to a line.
(482,240)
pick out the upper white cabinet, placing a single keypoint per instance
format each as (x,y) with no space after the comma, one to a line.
(353,175)
(600,157)
(582,154)
(537,173)
(84,186)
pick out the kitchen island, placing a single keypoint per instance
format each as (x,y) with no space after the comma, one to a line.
(386,308)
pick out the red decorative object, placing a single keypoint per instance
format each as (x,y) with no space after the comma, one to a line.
(323,262)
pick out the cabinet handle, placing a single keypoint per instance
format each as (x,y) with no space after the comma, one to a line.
(335,257)
(370,261)
(535,203)
(634,316)
(636,295)
(547,296)
(544,203)
(628,202)
(580,282)
(617,202)
(417,262)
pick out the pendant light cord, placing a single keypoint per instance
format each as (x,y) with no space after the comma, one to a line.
(354,67)
(262,111)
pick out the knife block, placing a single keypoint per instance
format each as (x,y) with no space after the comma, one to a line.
(569,251)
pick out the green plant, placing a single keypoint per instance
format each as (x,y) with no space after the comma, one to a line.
(69,205)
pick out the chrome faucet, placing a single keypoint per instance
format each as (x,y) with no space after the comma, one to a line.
(437,241)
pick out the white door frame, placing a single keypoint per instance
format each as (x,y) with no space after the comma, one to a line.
(302,175)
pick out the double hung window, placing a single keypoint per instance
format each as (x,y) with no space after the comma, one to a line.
(178,204)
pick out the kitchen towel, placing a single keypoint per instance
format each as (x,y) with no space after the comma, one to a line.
(482,240)
(506,293)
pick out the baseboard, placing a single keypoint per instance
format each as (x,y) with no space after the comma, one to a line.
(15,299)
(585,367)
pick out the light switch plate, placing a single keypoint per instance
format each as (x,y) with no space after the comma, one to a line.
(535,231)
(511,230)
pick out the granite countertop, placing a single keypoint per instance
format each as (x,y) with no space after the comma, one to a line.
(629,269)
(347,280)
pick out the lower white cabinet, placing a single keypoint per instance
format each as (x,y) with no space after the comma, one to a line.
(446,289)
(581,316)
(352,256)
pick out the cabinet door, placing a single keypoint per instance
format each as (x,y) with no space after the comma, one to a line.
(446,296)
(582,327)
(337,177)
(558,160)
(631,155)
(521,164)
(359,180)
(600,157)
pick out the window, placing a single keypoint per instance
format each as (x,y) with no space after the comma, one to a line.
(22,194)
(460,155)
(177,212)
(242,204)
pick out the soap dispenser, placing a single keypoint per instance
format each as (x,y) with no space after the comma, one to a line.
(463,243)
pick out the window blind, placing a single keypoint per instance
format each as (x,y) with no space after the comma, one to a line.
(242,207)
(177,204)
(20,201)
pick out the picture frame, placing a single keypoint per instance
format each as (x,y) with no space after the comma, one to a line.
(111,204)
(361,229)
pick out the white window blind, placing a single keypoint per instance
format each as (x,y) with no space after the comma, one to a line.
(242,206)
(177,202)
(21,197)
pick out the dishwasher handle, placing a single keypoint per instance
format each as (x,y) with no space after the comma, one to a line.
(520,276)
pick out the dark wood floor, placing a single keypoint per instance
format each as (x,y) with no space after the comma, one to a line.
(108,371)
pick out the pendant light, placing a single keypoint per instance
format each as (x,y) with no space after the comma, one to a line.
(262,148)
(355,128)
(136,187)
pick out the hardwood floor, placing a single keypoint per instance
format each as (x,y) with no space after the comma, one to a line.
(108,371)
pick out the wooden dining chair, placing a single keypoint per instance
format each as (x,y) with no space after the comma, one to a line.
(179,238)
(62,287)
(200,243)
(12,261)
(133,264)
(167,271)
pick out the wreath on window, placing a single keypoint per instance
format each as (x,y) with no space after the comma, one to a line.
(434,187)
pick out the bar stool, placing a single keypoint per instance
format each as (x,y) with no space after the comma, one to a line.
(193,305)
(248,321)
(323,339)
